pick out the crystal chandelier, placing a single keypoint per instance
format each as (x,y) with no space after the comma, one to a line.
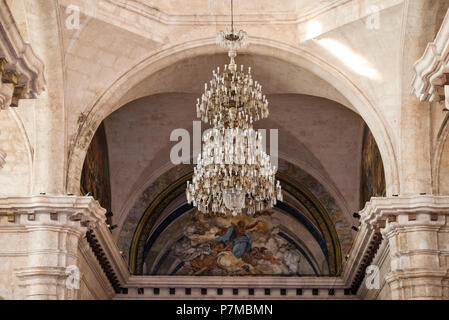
(233,174)
(232,100)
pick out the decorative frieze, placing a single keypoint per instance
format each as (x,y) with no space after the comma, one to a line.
(21,71)
(230,288)
(431,81)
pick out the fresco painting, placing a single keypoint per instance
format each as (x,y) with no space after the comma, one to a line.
(372,175)
(95,174)
(247,245)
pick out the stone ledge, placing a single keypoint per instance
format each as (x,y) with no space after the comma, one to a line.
(378,210)
(419,211)
(52,204)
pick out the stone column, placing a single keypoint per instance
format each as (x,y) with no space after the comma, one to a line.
(50,114)
(419,250)
(39,245)
(417,231)
(421,23)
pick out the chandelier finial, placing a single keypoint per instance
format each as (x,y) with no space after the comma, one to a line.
(233,173)
(231,39)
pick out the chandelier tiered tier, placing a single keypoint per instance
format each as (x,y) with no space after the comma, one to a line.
(233,174)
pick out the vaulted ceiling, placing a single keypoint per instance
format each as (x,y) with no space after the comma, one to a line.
(320,129)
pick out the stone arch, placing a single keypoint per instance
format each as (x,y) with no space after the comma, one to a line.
(149,207)
(112,98)
(303,158)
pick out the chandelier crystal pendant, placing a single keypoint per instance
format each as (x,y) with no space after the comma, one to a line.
(233,174)
(232,99)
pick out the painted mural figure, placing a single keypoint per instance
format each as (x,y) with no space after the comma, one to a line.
(241,242)
(218,246)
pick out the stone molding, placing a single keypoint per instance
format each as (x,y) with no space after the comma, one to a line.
(20,67)
(108,255)
(431,80)
(379,210)
(381,261)
(285,288)
(88,254)
(51,228)
(72,207)
(301,15)
(148,11)
(67,215)
(416,229)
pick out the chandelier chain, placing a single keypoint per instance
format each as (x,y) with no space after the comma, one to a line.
(233,173)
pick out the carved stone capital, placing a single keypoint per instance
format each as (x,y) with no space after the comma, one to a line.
(417,231)
(379,211)
(49,229)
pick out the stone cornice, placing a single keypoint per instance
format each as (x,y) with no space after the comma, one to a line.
(143,287)
(359,248)
(379,260)
(139,7)
(95,267)
(229,282)
(74,214)
(300,16)
(111,252)
(48,202)
(20,57)
(381,209)
(374,217)
(430,81)
(144,16)
(56,211)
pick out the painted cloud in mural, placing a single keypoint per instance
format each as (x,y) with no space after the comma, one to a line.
(235,246)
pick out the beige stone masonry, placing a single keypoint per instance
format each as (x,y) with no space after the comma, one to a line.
(39,239)
(2,158)
(416,229)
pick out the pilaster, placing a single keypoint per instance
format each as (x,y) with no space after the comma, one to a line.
(417,231)
(39,238)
